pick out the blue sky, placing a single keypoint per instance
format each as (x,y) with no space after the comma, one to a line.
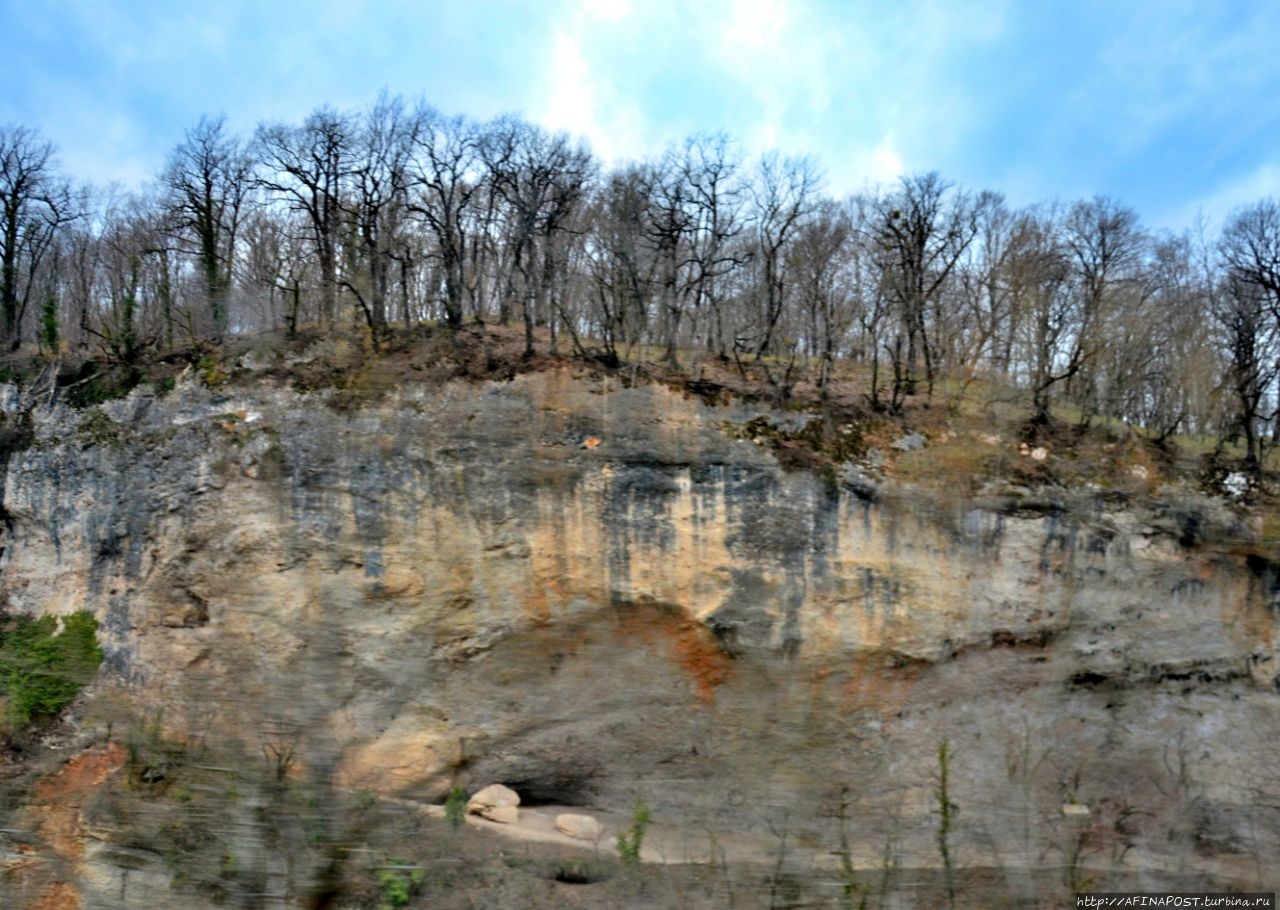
(1172,107)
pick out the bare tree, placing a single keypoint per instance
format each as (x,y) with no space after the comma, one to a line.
(1182,364)
(541,178)
(1037,273)
(622,270)
(79,272)
(666,223)
(1248,311)
(308,166)
(153,231)
(35,201)
(207,182)
(447,181)
(924,228)
(1250,248)
(134,298)
(822,261)
(378,199)
(692,222)
(1250,338)
(715,196)
(786,193)
(560,235)
(979,331)
(873,314)
(274,265)
(1106,245)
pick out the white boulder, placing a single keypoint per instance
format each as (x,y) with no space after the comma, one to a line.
(496,803)
(581,827)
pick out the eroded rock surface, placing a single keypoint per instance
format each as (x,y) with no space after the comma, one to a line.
(449,586)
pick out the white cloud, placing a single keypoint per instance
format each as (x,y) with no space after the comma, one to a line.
(607,10)
(884,164)
(795,76)
(581,99)
(1260,183)
(754,25)
(782,56)
(571,101)
(120,154)
(866,166)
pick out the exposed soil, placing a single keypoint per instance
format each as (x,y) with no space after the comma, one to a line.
(54,819)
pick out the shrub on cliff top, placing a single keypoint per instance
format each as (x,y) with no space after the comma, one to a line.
(41,668)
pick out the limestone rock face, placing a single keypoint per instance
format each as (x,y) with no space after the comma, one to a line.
(445,585)
(581,827)
(412,749)
(496,803)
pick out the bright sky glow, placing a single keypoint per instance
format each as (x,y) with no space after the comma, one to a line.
(1172,106)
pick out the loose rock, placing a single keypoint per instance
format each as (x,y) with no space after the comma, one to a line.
(911,442)
(496,803)
(582,827)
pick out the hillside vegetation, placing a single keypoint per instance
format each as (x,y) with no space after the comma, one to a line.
(396,215)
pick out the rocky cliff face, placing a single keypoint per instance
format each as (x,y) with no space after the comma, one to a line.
(594,593)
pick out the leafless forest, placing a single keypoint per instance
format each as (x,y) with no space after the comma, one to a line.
(398,214)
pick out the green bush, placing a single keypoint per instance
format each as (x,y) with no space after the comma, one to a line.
(42,669)
(630,842)
(398,882)
(455,808)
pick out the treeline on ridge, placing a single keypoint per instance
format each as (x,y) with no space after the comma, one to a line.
(398,214)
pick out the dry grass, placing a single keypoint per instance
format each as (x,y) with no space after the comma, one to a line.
(953,461)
